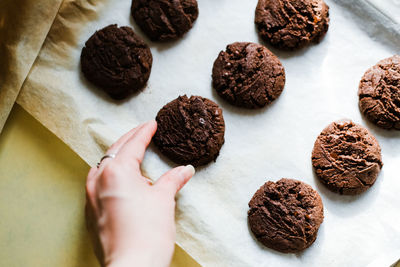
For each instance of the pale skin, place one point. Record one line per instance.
(131, 220)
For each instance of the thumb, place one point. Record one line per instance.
(173, 180)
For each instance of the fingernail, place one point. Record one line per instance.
(188, 170)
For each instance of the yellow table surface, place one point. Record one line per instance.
(42, 199)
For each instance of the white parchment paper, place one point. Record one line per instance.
(268, 144)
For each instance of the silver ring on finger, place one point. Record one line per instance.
(107, 156)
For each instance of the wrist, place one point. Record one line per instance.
(157, 253)
(144, 259)
(127, 262)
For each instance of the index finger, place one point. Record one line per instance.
(133, 150)
(114, 148)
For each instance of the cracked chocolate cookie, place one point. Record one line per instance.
(248, 75)
(116, 60)
(347, 158)
(289, 25)
(190, 130)
(164, 20)
(286, 215)
(379, 93)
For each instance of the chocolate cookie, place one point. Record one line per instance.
(286, 215)
(347, 158)
(190, 130)
(116, 60)
(248, 75)
(164, 20)
(292, 24)
(379, 93)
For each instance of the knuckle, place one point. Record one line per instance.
(113, 175)
(109, 176)
(110, 170)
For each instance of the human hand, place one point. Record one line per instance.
(130, 220)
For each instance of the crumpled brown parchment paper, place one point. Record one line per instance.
(24, 25)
